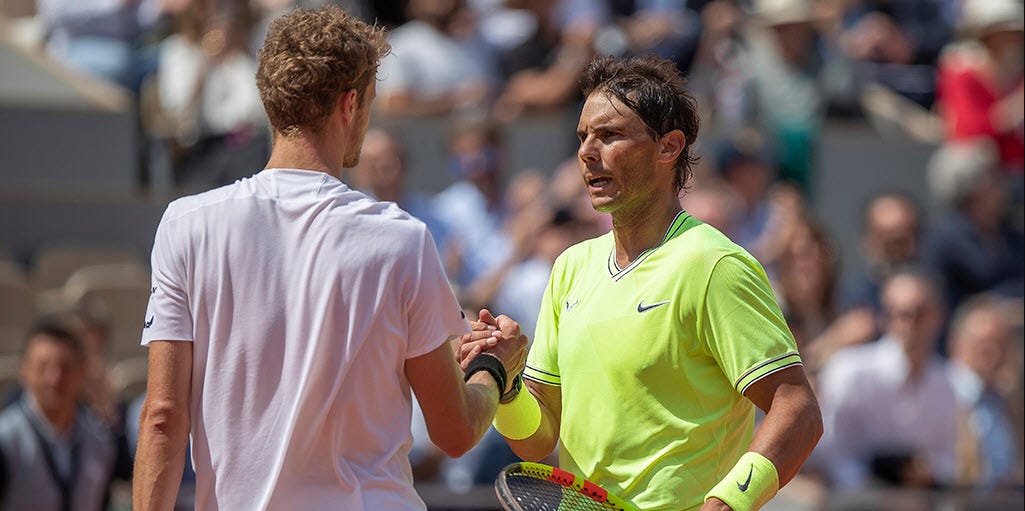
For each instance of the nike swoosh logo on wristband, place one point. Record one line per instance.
(743, 487)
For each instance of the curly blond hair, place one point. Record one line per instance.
(310, 57)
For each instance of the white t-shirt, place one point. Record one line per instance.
(303, 299)
(871, 405)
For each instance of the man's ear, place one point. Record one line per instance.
(348, 103)
(673, 144)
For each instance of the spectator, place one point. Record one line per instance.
(101, 37)
(889, 240)
(54, 454)
(747, 164)
(714, 203)
(541, 73)
(92, 328)
(209, 109)
(807, 282)
(436, 66)
(783, 68)
(787, 211)
(382, 173)
(765, 70)
(668, 28)
(980, 341)
(473, 207)
(523, 284)
(889, 409)
(91, 325)
(514, 286)
(520, 33)
(526, 214)
(971, 245)
(895, 43)
(981, 90)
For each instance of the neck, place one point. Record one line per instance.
(987, 223)
(640, 230)
(389, 195)
(917, 362)
(307, 151)
(61, 419)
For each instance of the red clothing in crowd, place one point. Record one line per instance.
(967, 94)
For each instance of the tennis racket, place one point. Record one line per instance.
(527, 486)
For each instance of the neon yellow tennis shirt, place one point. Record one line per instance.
(652, 360)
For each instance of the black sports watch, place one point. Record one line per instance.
(517, 383)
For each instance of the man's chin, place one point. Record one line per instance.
(602, 204)
(48, 405)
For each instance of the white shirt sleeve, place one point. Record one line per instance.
(434, 313)
(168, 317)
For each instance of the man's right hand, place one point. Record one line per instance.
(500, 337)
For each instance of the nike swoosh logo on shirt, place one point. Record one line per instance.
(743, 487)
(641, 307)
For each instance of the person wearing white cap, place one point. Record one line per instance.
(773, 69)
(981, 91)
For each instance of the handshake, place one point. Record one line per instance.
(494, 345)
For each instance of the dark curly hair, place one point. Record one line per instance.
(652, 87)
(310, 57)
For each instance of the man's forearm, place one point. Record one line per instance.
(160, 458)
(789, 433)
(480, 393)
(543, 440)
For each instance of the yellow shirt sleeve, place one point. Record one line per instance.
(742, 325)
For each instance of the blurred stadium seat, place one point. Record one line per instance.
(117, 292)
(128, 377)
(17, 8)
(17, 306)
(8, 374)
(54, 264)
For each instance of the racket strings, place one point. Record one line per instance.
(534, 494)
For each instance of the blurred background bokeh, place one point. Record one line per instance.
(868, 152)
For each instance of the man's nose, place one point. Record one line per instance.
(587, 151)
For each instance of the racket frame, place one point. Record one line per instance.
(558, 476)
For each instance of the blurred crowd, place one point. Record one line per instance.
(917, 359)
(934, 68)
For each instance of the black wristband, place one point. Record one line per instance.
(491, 364)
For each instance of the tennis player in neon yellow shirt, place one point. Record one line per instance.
(656, 341)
